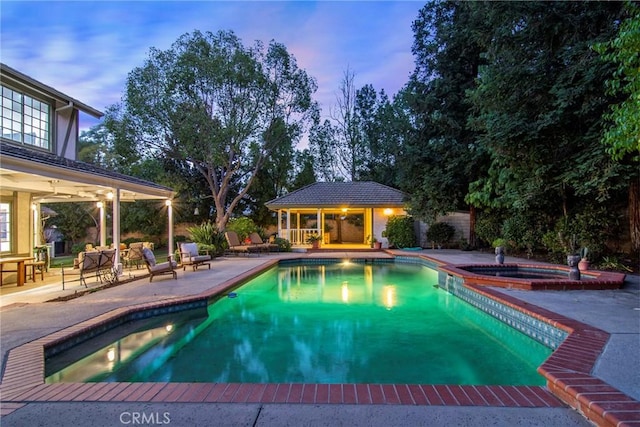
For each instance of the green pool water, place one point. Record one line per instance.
(337, 323)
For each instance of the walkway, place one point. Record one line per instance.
(27, 319)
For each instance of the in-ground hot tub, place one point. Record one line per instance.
(533, 276)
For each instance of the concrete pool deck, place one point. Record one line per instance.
(26, 319)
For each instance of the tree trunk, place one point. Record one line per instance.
(634, 214)
(472, 226)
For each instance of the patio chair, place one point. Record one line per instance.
(106, 266)
(257, 241)
(133, 255)
(236, 247)
(88, 262)
(155, 269)
(190, 255)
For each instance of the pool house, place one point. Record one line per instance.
(342, 213)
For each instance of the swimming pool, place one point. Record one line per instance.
(340, 322)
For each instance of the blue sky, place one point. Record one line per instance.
(86, 49)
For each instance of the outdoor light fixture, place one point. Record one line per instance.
(34, 207)
(196, 211)
(388, 211)
(99, 205)
(110, 195)
(167, 203)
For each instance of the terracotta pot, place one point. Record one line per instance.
(583, 265)
(377, 245)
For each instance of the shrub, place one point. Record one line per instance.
(283, 244)
(400, 232)
(440, 233)
(207, 236)
(243, 226)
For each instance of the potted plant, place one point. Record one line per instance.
(499, 245)
(583, 265)
(375, 244)
(314, 240)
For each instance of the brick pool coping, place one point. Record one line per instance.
(567, 372)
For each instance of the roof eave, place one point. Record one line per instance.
(17, 76)
(58, 172)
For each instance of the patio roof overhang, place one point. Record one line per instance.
(53, 180)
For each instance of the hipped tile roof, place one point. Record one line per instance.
(340, 194)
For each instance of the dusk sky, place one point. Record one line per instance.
(86, 49)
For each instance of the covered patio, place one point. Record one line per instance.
(31, 178)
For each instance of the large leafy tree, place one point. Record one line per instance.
(538, 108)
(385, 127)
(442, 156)
(219, 107)
(622, 137)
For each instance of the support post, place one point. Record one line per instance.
(170, 228)
(116, 230)
(103, 224)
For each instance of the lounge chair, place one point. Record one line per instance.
(190, 255)
(236, 247)
(257, 241)
(155, 269)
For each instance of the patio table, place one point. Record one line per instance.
(19, 260)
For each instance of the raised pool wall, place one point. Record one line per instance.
(472, 274)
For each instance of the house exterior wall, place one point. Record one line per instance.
(65, 129)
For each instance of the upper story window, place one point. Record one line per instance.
(25, 119)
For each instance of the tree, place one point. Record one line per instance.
(272, 180)
(442, 156)
(73, 219)
(218, 107)
(337, 143)
(622, 137)
(323, 148)
(385, 128)
(538, 108)
(304, 172)
(351, 152)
